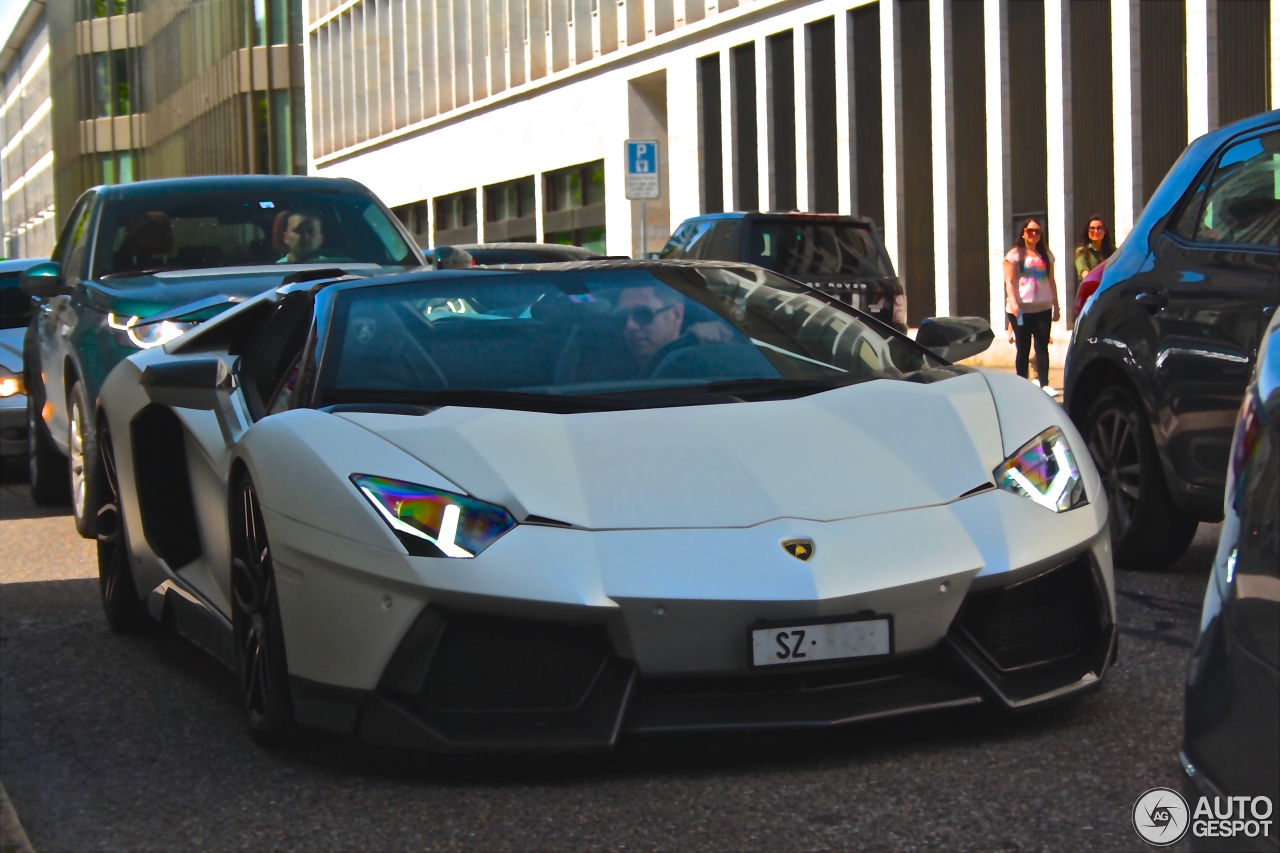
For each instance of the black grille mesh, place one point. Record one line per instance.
(1046, 618)
(489, 664)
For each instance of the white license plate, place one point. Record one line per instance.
(826, 641)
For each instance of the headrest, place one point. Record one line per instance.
(148, 234)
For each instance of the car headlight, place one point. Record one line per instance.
(10, 383)
(433, 523)
(1044, 470)
(129, 333)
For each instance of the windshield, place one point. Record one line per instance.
(601, 339)
(246, 227)
(800, 248)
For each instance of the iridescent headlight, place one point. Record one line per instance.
(433, 523)
(1044, 470)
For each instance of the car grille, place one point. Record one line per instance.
(1046, 618)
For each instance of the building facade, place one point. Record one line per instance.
(166, 88)
(943, 120)
(26, 139)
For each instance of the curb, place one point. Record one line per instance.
(13, 838)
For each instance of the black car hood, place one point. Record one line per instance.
(145, 295)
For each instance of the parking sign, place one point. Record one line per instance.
(642, 169)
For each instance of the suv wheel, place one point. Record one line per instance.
(46, 466)
(83, 444)
(1147, 529)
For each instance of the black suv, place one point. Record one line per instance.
(839, 255)
(1162, 354)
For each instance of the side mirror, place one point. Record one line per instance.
(955, 338)
(453, 258)
(205, 384)
(43, 281)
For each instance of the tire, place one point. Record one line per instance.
(1148, 531)
(82, 442)
(261, 664)
(125, 612)
(47, 468)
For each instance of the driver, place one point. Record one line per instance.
(304, 235)
(654, 317)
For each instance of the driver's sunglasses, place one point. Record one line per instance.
(642, 315)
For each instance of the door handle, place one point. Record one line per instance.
(1152, 300)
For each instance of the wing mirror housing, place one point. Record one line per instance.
(204, 384)
(955, 338)
(453, 258)
(44, 281)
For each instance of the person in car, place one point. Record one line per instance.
(304, 237)
(654, 319)
(1031, 300)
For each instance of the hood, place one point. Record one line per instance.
(11, 349)
(145, 295)
(871, 448)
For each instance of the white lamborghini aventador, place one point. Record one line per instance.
(535, 508)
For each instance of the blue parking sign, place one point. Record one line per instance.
(642, 169)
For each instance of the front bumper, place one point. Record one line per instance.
(13, 426)
(463, 682)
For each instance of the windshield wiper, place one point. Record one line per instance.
(477, 397)
(137, 273)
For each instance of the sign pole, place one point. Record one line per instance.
(642, 182)
(644, 232)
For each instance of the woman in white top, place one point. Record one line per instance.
(1031, 299)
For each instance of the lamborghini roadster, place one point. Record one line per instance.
(540, 508)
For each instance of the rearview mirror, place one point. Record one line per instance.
(955, 338)
(43, 281)
(205, 384)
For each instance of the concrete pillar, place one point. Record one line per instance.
(804, 155)
(539, 206)
(682, 137)
(1057, 76)
(480, 218)
(1202, 67)
(944, 196)
(1275, 54)
(996, 49)
(728, 153)
(1126, 99)
(763, 138)
(848, 187)
(891, 122)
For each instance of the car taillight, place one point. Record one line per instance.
(1088, 286)
(900, 309)
(1248, 433)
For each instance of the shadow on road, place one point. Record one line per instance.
(15, 494)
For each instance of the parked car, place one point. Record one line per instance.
(516, 253)
(15, 314)
(842, 256)
(129, 255)
(1162, 353)
(562, 513)
(1231, 745)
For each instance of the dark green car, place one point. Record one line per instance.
(138, 264)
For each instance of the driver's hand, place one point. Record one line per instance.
(710, 332)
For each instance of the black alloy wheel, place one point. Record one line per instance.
(125, 611)
(46, 466)
(82, 442)
(1148, 531)
(255, 609)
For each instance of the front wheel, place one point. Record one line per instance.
(83, 443)
(1147, 529)
(255, 619)
(125, 611)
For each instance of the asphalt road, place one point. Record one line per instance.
(114, 743)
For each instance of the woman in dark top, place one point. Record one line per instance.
(1095, 246)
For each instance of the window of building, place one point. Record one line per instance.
(107, 8)
(109, 92)
(456, 218)
(573, 201)
(510, 213)
(416, 219)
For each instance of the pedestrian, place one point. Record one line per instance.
(1095, 246)
(1031, 300)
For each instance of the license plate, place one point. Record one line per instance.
(860, 638)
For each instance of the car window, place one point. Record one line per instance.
(1241, 204)
(581, 333)
(721, 243)
(246, 226)
(268, 368)
(802, 248)
(63, 247)
(685, 243)
(79, 234)
(15, 306)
